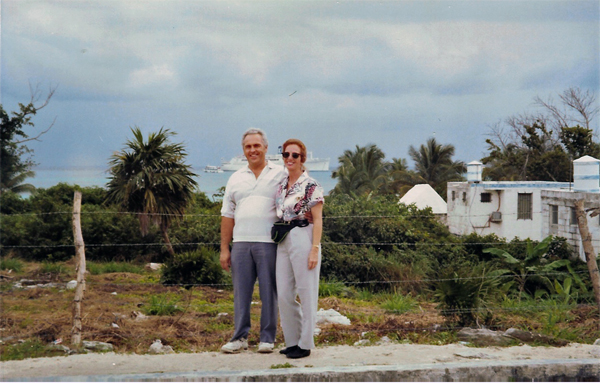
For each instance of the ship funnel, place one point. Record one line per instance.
(474, 170)
(586, 175)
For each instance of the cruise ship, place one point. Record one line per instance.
(312, 164)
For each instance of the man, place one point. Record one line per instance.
(247, 216)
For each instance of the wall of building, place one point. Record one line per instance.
(565, 228)
(469, 214)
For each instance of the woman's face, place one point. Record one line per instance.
(291, 163)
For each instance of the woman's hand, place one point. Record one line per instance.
(313, 258)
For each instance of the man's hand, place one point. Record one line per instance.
(225, 259)
(308, 216)
(226, 236)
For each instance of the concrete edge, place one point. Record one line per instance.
(521, 370)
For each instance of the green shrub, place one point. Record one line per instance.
(200, 267)
(466, 294)
(11, 264)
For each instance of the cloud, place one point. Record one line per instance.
(390, 72)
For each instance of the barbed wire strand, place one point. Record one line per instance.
(407, 216)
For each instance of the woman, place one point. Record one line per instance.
(299, 254)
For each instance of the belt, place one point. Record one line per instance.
(297, 222)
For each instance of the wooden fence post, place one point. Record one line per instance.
(588, 248)
(80, 268)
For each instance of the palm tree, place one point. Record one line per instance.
(14, 182)
(433, 162)
(150, 179)
(401, 178)
(362, 171)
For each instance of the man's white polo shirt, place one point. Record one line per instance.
(250, 201)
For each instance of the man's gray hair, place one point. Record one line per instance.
(256, 131)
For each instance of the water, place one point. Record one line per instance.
(209, 183)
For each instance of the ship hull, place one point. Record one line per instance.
(312, 164)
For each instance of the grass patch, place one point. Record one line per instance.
(334, 288)
(162, 305)
(33, 348)
(399, 304)
(53, 268)
(96, 268)
(284, 365)
(11, 264)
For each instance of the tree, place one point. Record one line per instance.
(434, 164)
(401, 177)
(538, 157)
(15, 163)
(542, 145)
(362, 171)
(151, 179)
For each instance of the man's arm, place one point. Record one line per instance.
(226, 237)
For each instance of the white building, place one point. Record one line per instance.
(423, 196)
(525, 209)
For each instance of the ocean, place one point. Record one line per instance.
(209, 183)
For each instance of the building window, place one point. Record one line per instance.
(464, 197)
(486, 197)
(573, 219)
(525, 206)
(554, 214)
(453, 195)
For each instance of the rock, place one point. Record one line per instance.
(7, 339)
(71, 285)
(153, 266)
(332, 316)
(317, 331)
(362, 342)
(138, 316)
(530, 337)
(483, 337)
(97, 346)
(59, 347)
(597, 342)
(158, 348)
(114, 325)
(222, 315)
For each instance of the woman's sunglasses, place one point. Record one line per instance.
(287, 154)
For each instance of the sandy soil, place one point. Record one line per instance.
(390, 354)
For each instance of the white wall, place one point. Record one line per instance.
(472, 215)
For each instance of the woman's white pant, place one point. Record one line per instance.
(298, 320)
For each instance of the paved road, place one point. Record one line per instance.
(111, 366)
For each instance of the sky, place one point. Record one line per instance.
(335, 74)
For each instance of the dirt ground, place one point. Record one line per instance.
(332, 356)
(112, 301)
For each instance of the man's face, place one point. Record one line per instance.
(254, 149)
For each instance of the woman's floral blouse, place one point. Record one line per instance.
(300, 198)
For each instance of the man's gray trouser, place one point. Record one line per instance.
(250, 260)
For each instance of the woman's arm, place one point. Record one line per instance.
(317, 215)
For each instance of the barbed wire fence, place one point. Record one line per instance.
(407, 327)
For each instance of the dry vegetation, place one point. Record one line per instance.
(113, 301)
